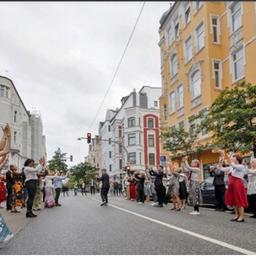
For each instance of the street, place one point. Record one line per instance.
(81, 226)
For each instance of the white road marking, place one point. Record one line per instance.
(191, 233)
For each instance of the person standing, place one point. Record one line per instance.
(159, 187)
(251, 189)
(9, 184)
(83, 189)
(49, 201)
(174, 189)
(30, 182)
(147, 186)
(194, 173)
(116, 190)
(183, 189)
(219, 186)
(104, 186)
(57, 182)
(140, 177)
(92, 187)
(38, 197)
(132, 187)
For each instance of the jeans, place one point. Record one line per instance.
(220, 195)
(31, 188)
(104, 194)
(57, 190)
(140, 192)
(9, 198)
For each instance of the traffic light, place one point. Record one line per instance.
(89, 137)
(71, 158)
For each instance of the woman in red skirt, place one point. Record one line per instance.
(2, 189)
(132, 188)
(236, 194)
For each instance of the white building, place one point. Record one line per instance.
(134, 132)
(14, 112)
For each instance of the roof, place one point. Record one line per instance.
(152, 87)
(167, 13)
(17, 94)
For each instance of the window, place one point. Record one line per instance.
(155, 103)
(170, 36)
(131, 121)
(187, 13)
(4, 91)
(200, 37)
(180, 99)
(110, 154)
(174, 66)
(151, 158)
(132, 158)
(176, 30)
(236, 16)
(172, 102)
(110, 167)
(216, 29)
(119, 132)
(165, 112)
(151, 140)
(192, 128)
(109, 141)
(15, 116)
(196, 84)
(150, 123)
(120, 164)
(188, 49)
(217, 73)
(15, 137)
(238, 64)
(181, 125)
(109, 128)
(131, 139)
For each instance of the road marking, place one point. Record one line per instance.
(191, 233)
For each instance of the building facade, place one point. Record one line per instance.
(94, 156)
(14, 112)
(205, 47)
(133, 132)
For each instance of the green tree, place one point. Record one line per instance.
(232, 119)
(58, 161)
(180, 142)
(83, 172)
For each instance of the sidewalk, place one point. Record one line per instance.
(15, 221)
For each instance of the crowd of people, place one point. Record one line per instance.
(181, 184)
(32, 187)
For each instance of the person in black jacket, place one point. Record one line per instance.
(159, 187)
(140, 178)
(9, 184)
(219, 187)
(105, 186)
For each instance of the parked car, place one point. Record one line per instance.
(208, 193)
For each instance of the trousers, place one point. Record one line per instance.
(31, 188)
(104, 194)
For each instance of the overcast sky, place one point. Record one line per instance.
(61, 57)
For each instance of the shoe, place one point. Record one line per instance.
(240, 220)
(140, 203)
(234, 219)
(158, 205)
(193, 213)
(57, 204)
(253, 216)
(178, 209)
(30, 215)
(15, 211)
(172, 209)
(104, 203)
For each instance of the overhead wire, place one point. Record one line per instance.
(118, 67)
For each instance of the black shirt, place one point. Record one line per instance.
(105, 180)
(159, 177)
(9, 179)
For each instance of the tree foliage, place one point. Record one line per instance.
(232, 119)
(58, 161)
(83, 172)
(180, 143)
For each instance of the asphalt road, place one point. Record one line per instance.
(81, 226)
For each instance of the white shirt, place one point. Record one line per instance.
(31, 172)
(195, 172)
(236, 170)
(48, 181)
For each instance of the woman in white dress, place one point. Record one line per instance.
(49, 201)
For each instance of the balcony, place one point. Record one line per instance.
(180, 112)
(196, 101)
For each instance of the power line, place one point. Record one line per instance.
(118, 66)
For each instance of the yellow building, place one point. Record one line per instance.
(205, 46)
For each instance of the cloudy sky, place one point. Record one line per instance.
(62, 56)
